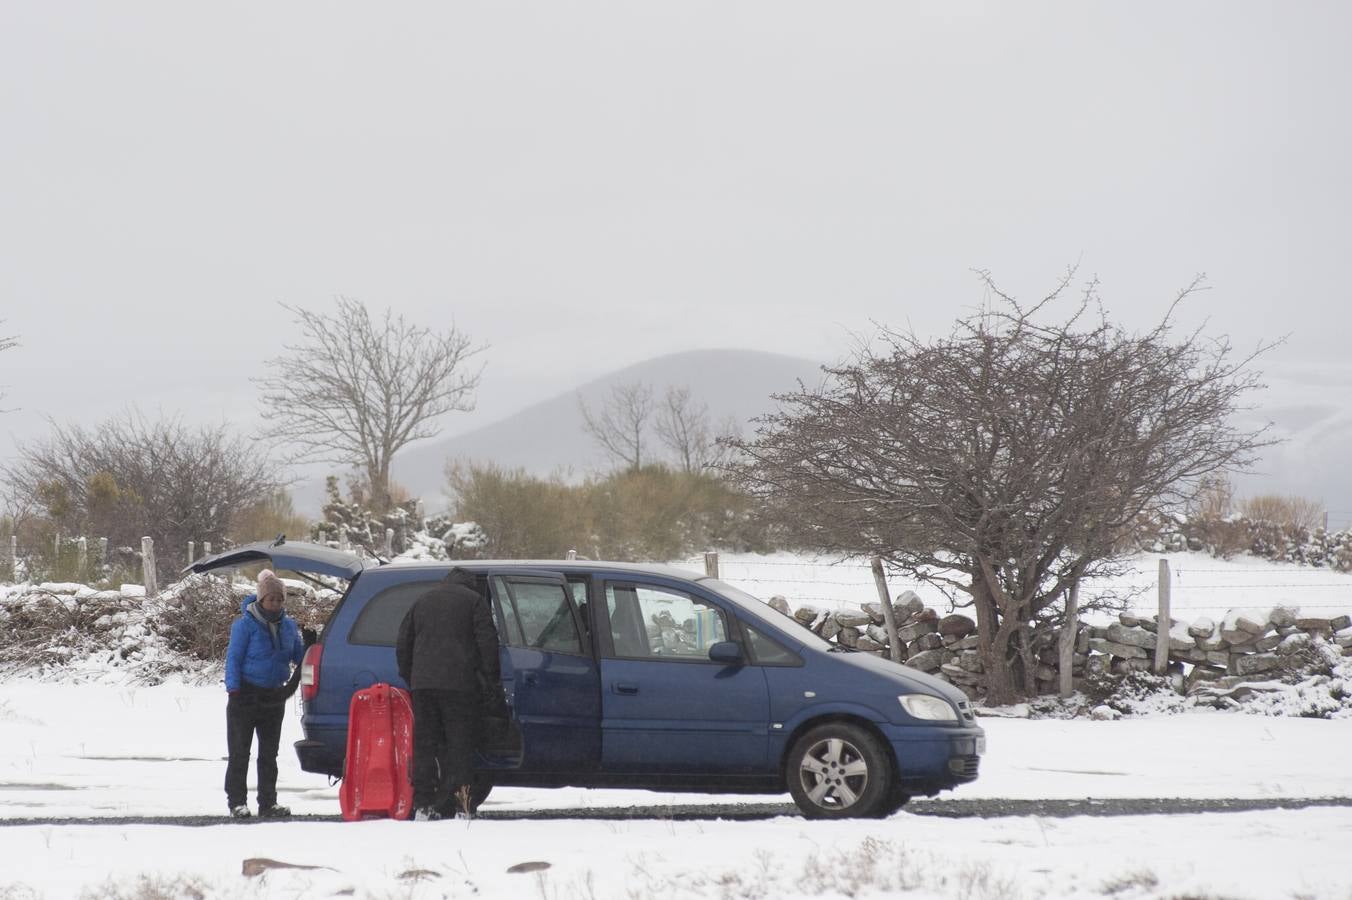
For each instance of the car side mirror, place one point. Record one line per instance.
(727, 652)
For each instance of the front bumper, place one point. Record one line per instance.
(931, 758)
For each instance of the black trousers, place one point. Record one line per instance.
(252, 711)
(446, 727)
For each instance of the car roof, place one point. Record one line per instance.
(565, 566)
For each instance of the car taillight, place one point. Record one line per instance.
(309, 672)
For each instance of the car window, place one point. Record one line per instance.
(378, 623)
(658, 623)
(542, 613)
(766, 651)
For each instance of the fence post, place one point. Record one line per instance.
(103, 551)
(82, 558)
(148, 566)
(1163, 623)
(885, 600)
(14, 555)
(389, 541)
(1070, 630)
(571, 554)
(711, 563)
(206, 548)
(192, 550)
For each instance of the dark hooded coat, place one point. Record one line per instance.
(448, 641)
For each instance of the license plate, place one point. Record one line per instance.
(981, 745)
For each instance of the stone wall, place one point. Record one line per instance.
(1246, 644)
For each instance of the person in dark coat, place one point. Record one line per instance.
(264, 643)
(448, 656)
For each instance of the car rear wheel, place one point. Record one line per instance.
(840, 771)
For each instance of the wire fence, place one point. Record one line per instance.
(1209, 590)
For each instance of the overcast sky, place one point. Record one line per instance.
(585, 185)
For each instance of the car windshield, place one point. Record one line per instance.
(743, 599)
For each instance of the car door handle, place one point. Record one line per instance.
(621, 688)
(528, 678)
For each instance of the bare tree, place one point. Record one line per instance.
(620, 428)
(1005, 461)
(683, 426)
(130, 477)
(356, 390)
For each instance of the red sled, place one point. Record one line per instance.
(376, 780)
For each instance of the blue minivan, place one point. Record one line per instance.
(645, 676)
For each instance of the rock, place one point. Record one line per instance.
(877, 634)
(874, 611)
(848, 637)
(1255, 624)
(1270, 642)
(971, 661)
(1343, 638)
(914, 630)
(956, 625)
(932, 641)
(1253, 663)
(1202, 628)
(959, 674)
(806, 615)
(1201, 675)
(1082, 641)
(1129, 620)
(1218, 658)
(830, 628)
(1104, 714)
(868, 644)
(1044, 673)
(1338, 623)
(1096, 664)
(907, 604)
(853, 617)
(1315, 623)
(1194, 655)
(777, 602)
(1282, 616)
(1096, 631)
(1135, 637)
(1179, 638)
(1294, 643)
(1124, 651)
(1127, 666)
(927, 660)
(1214, 642)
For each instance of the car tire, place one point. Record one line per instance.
(841, 771)
(894, 801)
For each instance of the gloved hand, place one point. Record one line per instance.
(309, 636)
(495, 703)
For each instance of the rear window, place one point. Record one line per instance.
(378, 624)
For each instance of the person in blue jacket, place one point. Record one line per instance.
(264, 643)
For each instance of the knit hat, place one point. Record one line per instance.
(269, 584)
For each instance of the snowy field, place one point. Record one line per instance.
(105, 750)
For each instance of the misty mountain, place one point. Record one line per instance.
(547, 436)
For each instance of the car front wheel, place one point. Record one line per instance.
(839, 771)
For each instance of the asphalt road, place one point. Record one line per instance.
(954, 809)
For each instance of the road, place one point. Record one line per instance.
(954, 809)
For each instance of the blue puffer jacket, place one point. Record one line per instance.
(255, 656)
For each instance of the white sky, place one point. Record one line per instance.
(587, 185)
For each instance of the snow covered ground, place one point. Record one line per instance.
(103, 749)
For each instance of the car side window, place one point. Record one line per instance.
(538, 615)
(378, 623)
(766, 651)
(659, 623)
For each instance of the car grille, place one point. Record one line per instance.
(965, 710)
(965, 767)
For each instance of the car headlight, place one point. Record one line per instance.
(923, 706)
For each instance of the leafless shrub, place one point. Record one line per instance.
(1297, 512)
(1140, 880)
(151, 887)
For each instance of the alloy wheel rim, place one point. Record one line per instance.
(834, 774)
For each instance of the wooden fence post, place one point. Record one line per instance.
(885, 600)
(711, 563)
(82, 558)
(206, 548)
(1163, 624)
(192, 550)
(571, 554)
(14, 553)
(389, 541)
(1070, 630)
(103, 551)
(148, 566)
